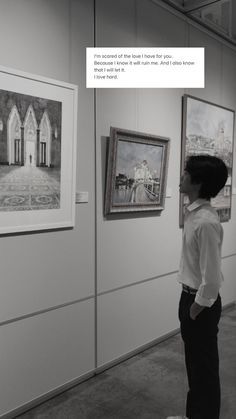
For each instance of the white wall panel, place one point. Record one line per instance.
(213, 65)
(134, 316)
(229, 243)
(47, 269)
(35, 36)
(228, 290)
(41, 353)
(115, 23)
(131, 317)
(133, 248)
(115, 26)
(156, 27)
(82, 36)
(228, 86)
(137, 249)
(41, 271)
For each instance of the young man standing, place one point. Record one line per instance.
(201, 278)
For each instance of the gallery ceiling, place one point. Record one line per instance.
(219, 16)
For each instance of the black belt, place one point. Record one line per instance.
(189, 290)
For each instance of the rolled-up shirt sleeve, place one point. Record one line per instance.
(209, 241)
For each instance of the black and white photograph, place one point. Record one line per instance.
(209, 129)
(37, 152)
(30, 152)
(137, 171)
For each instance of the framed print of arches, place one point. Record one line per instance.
(38, 128)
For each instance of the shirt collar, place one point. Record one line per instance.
(198, 203)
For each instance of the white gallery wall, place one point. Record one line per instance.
(47, 318)
(75, 300)
(138, 256)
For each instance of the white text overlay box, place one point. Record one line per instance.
(145, 68)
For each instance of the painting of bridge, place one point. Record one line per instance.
(137, 171)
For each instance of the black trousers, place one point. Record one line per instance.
(201, 358)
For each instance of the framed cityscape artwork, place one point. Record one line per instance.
(37, 152)
(208, 129)
(137, 172)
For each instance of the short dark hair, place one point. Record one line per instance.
(208, 170)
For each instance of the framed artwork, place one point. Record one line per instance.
(137, 172)
(208, 128)
(38, 122)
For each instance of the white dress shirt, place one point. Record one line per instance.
(200, 264)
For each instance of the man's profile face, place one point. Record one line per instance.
(186, 186)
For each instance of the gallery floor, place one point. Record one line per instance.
(151, 385)
(29, 188)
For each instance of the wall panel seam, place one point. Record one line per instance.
(143, 281)
(96, 205)
(229, 256)
(44, 311)
(90, 297)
